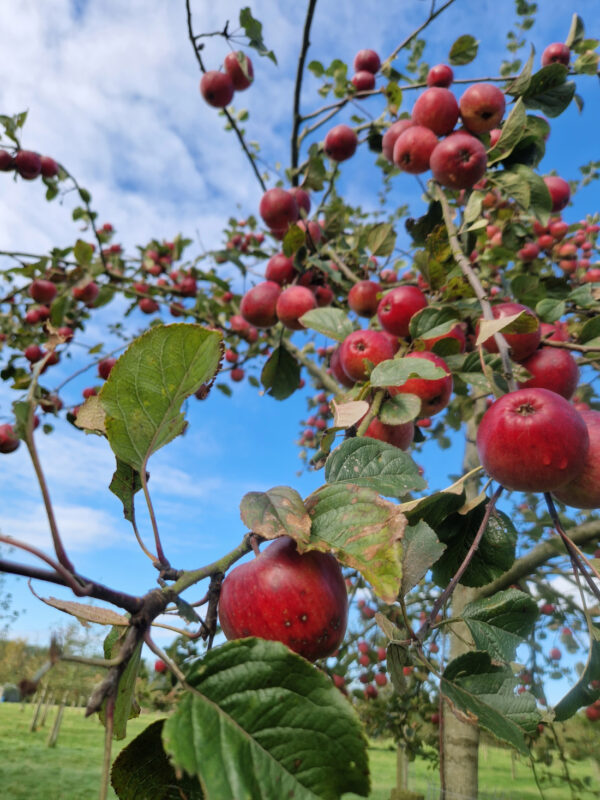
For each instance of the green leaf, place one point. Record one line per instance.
(419, 229)
(331, 322)
(142, 770)
(540, 200)
(83, 252)
(396, 371)
(583, 297)
(186, 611)
(399, 409)
(549, 310)
(499, 624)
(126, 706)
(549, 91)
(495, 555)
(582, 694)
(394, 95)
(363, 531)
(125, 483)
(463, 51)
(436, 507)
(397, 659)
(377, 465)
(576, 31)
(513, 186)
(381, 239)
(422, 549)
(432, 321)
(293, 240)
(253, 30)
(521, 84)
(281, 374)
(58, 310)
(512, 131)
(590, 330)
(315, 172)
(263, 723)
(277, 512)
(474, 686)
(317, 69)
(587, 63)
(145, 389)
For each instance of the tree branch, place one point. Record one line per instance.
(296, 118)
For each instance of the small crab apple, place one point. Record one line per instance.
(239, 68)
(278, 208)
(300, 600)
(340, 143)
(33, 353)
(518, 444)
(42, 291)
(292, 303)
(458, 161)
(482, 107)
(8, 441)
(105, 366)
(522, 345)
(560, 192)
(400, 436)
(302, 198)
(363, 81)
(398, 306)
(367, 60)
(440, 75)
(363, 298)
(380, 679)
(553, 369)
(49, 167)
(413, 149)
(258, 304)
(435, 393)
(7, 162)
(436, 109)
(363, 346)
(28, 164)
(217, 88)
(555, 654)
(363, 648)
(556, 53)
(159, 665)
(392, 134)
(147, 305)
(529, 252)
(237, 374)
(86, 293)
(584, 491)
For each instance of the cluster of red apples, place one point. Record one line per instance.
(28, 164)
(218, 88)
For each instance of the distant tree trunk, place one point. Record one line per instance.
(460, 741)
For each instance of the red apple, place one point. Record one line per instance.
(399, 435)
(361, 346)
(558, 229)
(532, 440)
(335, 366)
(556, 53)
(529, 252)
(239, 68)
(259, 303)
(278, 208)
(367, 60)
(148, 305)
(398, 306)
(363, 81)
(33, 353)
(591, 276)
(552, 369)
(292, 303)
(560, 192)
(363, 298)
(584, 491)
(436, 109)
(28, 164)
(300, 600)
(280, 269)
(340, 143)
(42, 291)
(392, 134)
(7, 162)
(593, 713)
(522, 345)
(217, 88)
(302, 198)
(434, 393)
(458, 161)
(482, 107)
(8, 440)
(86, 292)
(555, 654)
(160, 666)
(440, 75)
(237, 374)
(49, 167)
(413, 149)
(105, 366)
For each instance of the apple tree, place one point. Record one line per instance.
(484, 324)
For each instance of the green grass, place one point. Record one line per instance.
(71, 771)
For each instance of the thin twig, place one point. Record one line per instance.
(64, 572)
(162, 559)
(296, 118)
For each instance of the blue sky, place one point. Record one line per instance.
(112, 92)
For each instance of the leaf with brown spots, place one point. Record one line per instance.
(277, 512)
(363, 531)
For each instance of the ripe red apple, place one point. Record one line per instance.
(237, 374)
(591, 276)
(584, 491)
(555, 654)
(380, 679)
(458, 161)
(529, 252)
(239, 68)
(560, 192)
(363, 298)
(548, 609)
(105, 366)
(413, 149)
(33, 353)
(292, 303)
(435, 393)
(258, 304)
(49, 167)
(323, 295)
(278, 208)
(8, 440)
(363, 81)
(87, 292)
(558, 229)
(42, 291)
(340, 143)
(593, 713)
(532, 440)
(7, 162)
(557, 331)
(482, 107)
(335, 366)
(398, 306)
(399, 435)
(392, 134)
(556, 53)
(217, 88)
(359, 346)
(522, 345)
(367, 60)
(440, 75)
(302, 198)
(159, 665)
(280, 269)
(552, 369)
(148, 305)
(436, 109)
(28, 164)
(300, 600)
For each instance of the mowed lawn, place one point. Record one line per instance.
(29, 770)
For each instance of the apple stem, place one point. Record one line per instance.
(371, 413)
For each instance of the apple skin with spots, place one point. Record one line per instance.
(299, 600)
